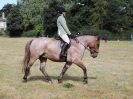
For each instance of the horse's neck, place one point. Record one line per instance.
(83, 40)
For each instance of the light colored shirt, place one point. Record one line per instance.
(62, 26)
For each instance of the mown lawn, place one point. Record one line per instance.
(110, 74)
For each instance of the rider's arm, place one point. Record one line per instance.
(64, 25)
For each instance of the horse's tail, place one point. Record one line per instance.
(26, 56)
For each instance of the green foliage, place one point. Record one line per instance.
(39, 30)
(7, 9)
(50, 16)
(32, 11)
(68, 85)
(101, 33)
(31, 33)
(98, 12)
(49, 19)
(130, 13)
(85, 16)
(3, 33)
(116, 17)
(77, 17)
(126, 35)
(14, 22)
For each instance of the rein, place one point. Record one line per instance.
(82, 44)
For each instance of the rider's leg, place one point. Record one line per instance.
(65, 46)
(65, 38)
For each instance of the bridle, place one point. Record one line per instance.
(82, 44)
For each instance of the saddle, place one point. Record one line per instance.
(61, 41)
(64, 47)
(72, 37)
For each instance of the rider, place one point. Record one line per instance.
(63, 31)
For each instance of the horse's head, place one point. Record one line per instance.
(93, 46)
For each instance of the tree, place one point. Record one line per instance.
(86, 16)
(116, 17)
(7, 9)
(130, 13)
(98, 12)
(41, 12)
(78, 15)
(32, 11)
(14, 22)
(49, 19)
(39, 29)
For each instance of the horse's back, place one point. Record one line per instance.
(45, 45)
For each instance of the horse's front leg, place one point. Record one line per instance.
(43, 69)
(66, 66)
(79, 63)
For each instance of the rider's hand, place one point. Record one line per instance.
(69, 36)
(72, 36)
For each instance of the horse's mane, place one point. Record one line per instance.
(80, 36)
(74, 38)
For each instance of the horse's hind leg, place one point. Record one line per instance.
(82, 66)
(43, 69)
(66, 66)
(27, 70)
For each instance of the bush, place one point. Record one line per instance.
(31, 33)
(101, 33)
(14, 22)
(3, 33)
(125, 35)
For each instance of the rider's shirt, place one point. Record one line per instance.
(62, 26)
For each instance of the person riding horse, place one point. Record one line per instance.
(44, 48)
(63, 32)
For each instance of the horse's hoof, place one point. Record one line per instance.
(85, 82)
(50, 82)
(24, 81)
(60, 81)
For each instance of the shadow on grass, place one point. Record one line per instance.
(66, 77)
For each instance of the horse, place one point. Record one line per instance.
(44, 48)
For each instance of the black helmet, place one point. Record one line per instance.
(61, 9)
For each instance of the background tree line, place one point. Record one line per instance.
(112, 18)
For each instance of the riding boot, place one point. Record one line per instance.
(64, 50)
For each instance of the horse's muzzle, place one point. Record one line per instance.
(94, 55)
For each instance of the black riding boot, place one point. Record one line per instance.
(64, 50)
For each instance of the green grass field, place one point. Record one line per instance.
(110, 74)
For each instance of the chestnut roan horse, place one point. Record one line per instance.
(49, 48)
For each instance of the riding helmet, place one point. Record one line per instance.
(61, 10)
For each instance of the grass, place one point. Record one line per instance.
(110, 74)
(68, 85)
